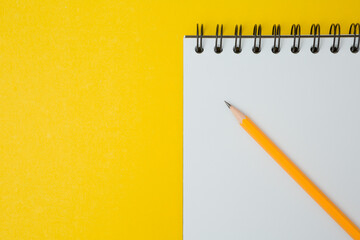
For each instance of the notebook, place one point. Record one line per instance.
(303, 91)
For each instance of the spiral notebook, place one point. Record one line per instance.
(303, 91)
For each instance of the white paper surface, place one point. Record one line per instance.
(308, 104)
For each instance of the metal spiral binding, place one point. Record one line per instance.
(355, 47)
(276, 32)
(237, 46)
(199, 48)
(257, 34)
(334, 32)
(335, 48)
(218, 47)
(296, 32)
(315, 47)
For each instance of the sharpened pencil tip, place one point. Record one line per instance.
(227, 104)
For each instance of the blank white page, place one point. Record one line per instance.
(308, 104)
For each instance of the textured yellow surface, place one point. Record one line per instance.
(91, 109)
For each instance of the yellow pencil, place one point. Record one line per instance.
(296, 173)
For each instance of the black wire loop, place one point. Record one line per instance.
(199, 36)
(218, 47)
(276, 33)
(237, 46)
(316, 30)
(257, 35)
(336, 42)
(296, 32)
(355, 47)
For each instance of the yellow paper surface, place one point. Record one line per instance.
(91, 109)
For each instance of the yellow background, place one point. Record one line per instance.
(91, 109)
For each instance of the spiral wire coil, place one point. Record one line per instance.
(277, 35)
(295, 33)
(316, 43)
(355, 47)
(336, 44)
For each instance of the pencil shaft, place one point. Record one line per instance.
(301, 178)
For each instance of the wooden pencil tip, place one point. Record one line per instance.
(227, 104)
